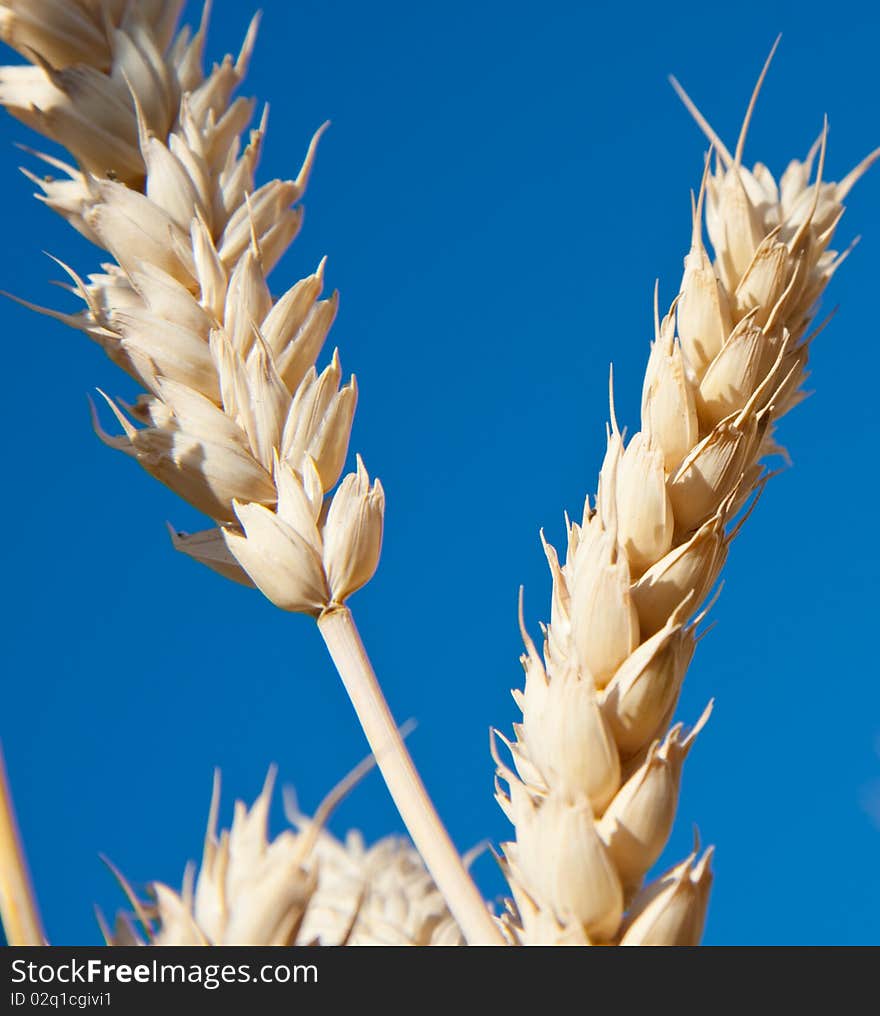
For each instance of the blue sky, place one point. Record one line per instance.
(500, 188)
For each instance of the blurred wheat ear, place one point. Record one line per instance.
(302, 888)
(596, 770)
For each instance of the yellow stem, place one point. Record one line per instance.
(18, 907)
(404, 783)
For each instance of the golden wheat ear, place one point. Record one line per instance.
(236, 417)
(304, 887)
(593, 786)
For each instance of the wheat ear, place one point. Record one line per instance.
(304, 887)
(595, 789)
(235, 418)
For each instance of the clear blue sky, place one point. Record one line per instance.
(501, 186)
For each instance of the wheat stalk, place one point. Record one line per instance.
(594, 792)
(18, 903)
(235, 417)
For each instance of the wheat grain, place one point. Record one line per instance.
(594, 791)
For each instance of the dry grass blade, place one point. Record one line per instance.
(18, 904)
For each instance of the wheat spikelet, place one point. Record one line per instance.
(248, 891)
(397, 900)
(594, 791)
(235, 418)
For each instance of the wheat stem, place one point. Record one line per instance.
(344, 644)
(18, 906)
